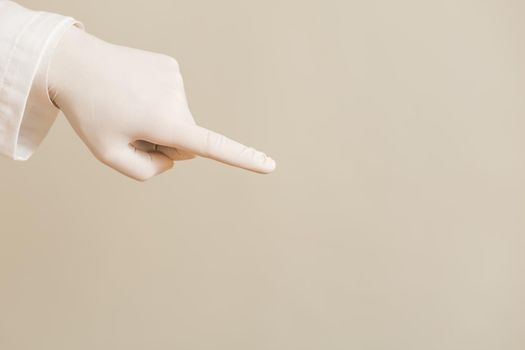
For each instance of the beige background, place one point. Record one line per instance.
(396, 219)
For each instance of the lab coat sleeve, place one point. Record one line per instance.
(27, 42)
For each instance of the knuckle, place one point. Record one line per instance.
(145, 174)
(108, 157)
(171, 63)
(175, 64)
(149, 173)
(142, 177)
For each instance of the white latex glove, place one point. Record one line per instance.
(130, 109)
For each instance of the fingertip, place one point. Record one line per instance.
(268, 165)
(272, 166)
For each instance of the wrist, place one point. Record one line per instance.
(66, 63)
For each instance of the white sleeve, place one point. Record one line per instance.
(27, 41)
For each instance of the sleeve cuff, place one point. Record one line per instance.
(26, 111)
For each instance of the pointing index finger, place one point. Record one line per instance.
(210, 144)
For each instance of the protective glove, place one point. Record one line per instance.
(130, 109)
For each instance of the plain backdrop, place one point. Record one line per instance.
(395, 219)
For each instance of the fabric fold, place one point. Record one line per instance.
(27, 41)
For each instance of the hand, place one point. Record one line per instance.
(130, 109)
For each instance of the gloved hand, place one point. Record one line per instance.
(130, 109)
